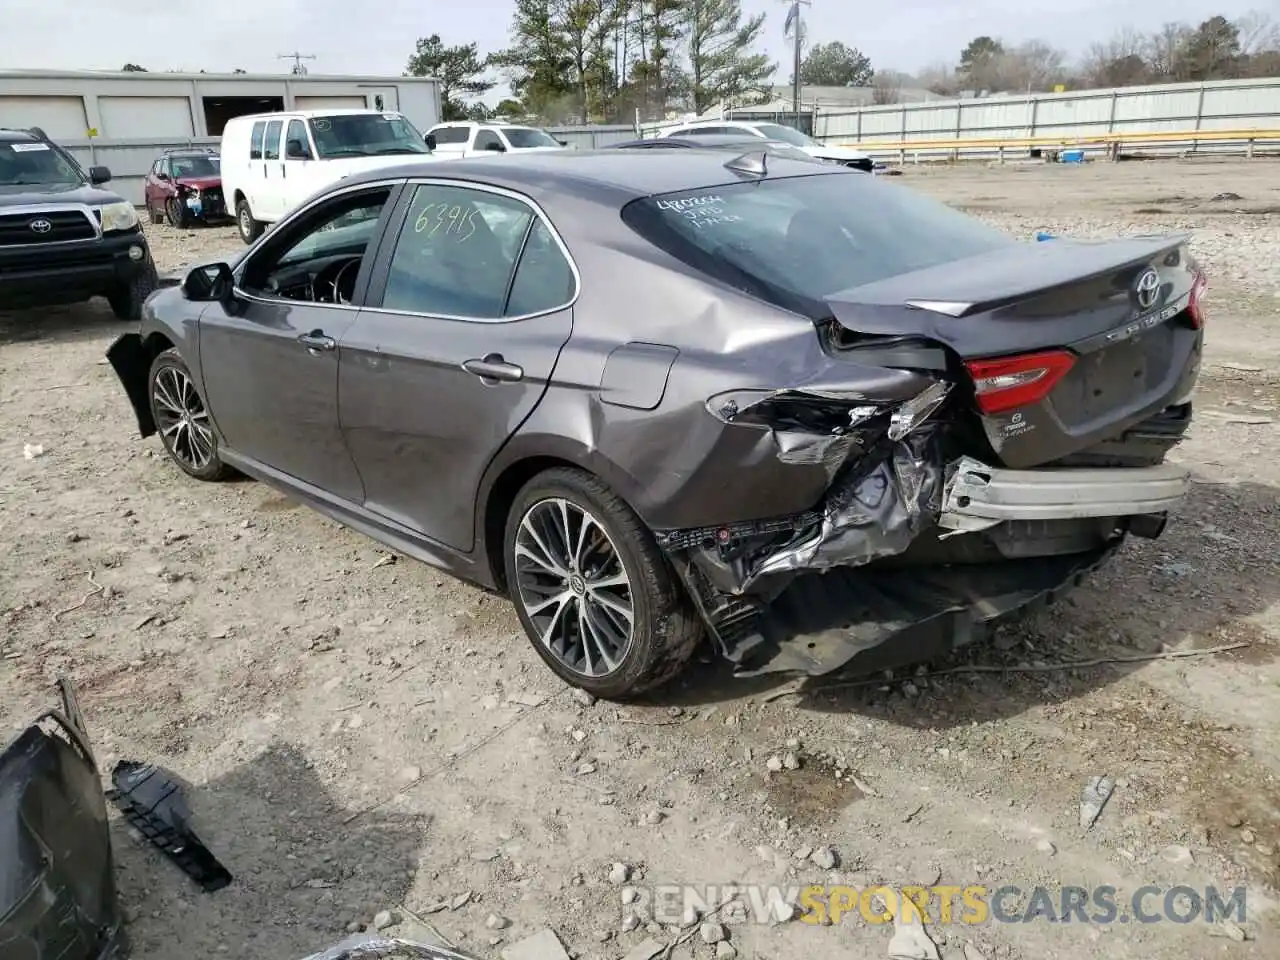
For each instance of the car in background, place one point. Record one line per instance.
(184, 186)
(462, 138)
(781, 133)
(715, 142)
(271, 162)
(64, 238)
(661, 396)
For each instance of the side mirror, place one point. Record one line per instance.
(99, 175)
(430, 139)
(294, 150)
(495, 148)
(162, 176)
(208, 283)
(563, 143)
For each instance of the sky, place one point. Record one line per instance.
(377, 36)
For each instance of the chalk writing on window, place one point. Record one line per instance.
(447, 220)
(700, 212)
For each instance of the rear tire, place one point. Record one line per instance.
(182, 419)
(127, 300)
(250, 229)
(611, 564)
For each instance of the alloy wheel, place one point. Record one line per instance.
(181, 418)
(246, 223)
(574, 588)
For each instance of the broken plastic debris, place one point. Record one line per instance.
(1093, 798)
(363, 946)
(917, 410)
(910, 942)
(32, 450)
(152, 802)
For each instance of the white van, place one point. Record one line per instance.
(271, 162)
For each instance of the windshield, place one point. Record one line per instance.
(365, 135)
(796, 241)
(776, 131)
(32, 162)
(522, 138)
(201, 166)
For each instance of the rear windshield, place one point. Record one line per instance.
(365, 135)
(522, 138)
(795, 241)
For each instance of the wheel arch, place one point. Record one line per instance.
(517, 468)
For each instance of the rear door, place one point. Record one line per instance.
(466, 316)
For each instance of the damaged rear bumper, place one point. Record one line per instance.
(977, 496)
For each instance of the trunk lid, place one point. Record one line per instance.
(1064, 344)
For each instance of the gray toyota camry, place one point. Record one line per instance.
(803, 413)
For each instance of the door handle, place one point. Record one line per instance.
(494, 369)
(316, 341)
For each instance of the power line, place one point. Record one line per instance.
(298, 69)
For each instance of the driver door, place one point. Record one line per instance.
(269, 357)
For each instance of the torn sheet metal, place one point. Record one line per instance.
(875, 515)
(57, 883)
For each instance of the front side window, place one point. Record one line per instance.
(318, 259)
(795, 241)
(31, 162)
(457, 253)
(295, 141)
(271, 144)
(522, 138)
(256, 138)
(488, 140)
(365, 135)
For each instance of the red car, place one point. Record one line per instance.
(185, 186)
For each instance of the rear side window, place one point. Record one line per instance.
(255, 140)
(795, 241)
(452, 134)
(271, 144)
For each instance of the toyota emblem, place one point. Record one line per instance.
(1147, 289)
(40, 225)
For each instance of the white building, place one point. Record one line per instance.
(123, 120)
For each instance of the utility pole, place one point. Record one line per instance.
(795, 28)
(298, 69)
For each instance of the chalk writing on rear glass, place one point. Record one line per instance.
(447, 220)
(700, 212)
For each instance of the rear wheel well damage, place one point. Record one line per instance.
(131, 356)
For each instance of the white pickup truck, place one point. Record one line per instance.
(469, 139)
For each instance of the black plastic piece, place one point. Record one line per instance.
(152, 802)
(57, 878)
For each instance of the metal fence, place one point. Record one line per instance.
(1225, 105)
(592, 137)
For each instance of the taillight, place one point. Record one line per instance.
(1195, 303)
(1007, 383)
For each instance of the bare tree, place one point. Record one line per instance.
(1259, 33)
(940, 79)
(886, 87)
(1166, 49)
(1033, 65)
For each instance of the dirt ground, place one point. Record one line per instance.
(361, 737)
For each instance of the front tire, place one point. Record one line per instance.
(177, 213)
(250, 229)
(127, 300)
(182, 420)
(595, 595)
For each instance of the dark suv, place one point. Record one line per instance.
(63, 239)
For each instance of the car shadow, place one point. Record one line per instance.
(1213, 567)
(67, 324)
(298, 870)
